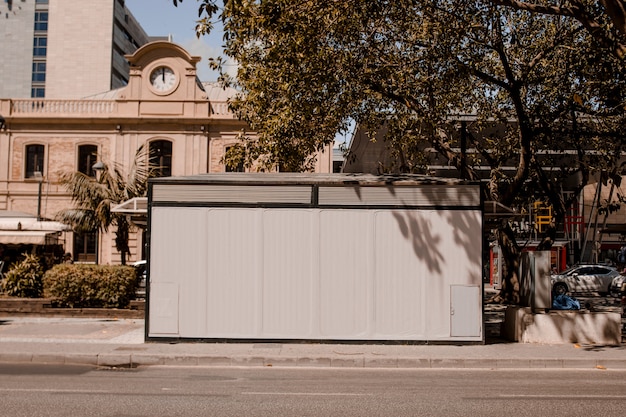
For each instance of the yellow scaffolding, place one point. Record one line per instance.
(543, 215)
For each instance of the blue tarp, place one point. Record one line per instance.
(565, 302)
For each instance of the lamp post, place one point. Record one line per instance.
(39, 177)
(98, 167)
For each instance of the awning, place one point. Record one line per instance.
(33, 224)
(136, 208)
(28, 237)
(136, 205)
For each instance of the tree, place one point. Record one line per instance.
(93, 199)
(604, 20)
(308, 67)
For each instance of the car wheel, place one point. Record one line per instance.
(559, 288)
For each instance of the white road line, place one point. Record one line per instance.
(334, 394)
(52, 390)
(561, 397)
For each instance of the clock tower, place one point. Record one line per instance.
(163, 71)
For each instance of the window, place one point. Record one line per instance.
(161, 158)
(87, 156)
(41, 21)
(38, 92)
(85, 247)
(34, 160)
(39, 71)
(40, 45)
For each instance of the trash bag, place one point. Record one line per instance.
(565, 302)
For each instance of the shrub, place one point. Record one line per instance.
(24, 279)
(76, 285)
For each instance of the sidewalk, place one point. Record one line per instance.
(120, 343)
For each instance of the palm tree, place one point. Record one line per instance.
(93, 199)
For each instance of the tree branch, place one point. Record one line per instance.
(615, 10)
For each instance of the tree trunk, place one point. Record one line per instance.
(510, 258)
(121, 238)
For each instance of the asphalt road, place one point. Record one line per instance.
(31, 390)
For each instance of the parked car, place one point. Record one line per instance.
(585, 278)
(623, 303)
(616, 285)
(140, 266)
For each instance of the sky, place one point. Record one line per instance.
(161, 18)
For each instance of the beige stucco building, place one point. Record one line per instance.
(163, 107)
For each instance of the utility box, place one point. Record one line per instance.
(335, 257)
(535, 285)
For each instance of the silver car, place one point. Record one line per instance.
(584, 279)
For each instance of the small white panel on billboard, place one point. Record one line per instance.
(164, 309)
(465, 312)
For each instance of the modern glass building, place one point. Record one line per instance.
(65, 49)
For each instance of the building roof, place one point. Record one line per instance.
(107, 95)
(215, 92)
(312, 179)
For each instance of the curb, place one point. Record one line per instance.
(134, 360)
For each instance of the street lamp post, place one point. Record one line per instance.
(98, 167)
(39, 177)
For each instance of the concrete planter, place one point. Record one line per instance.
(560, 326)
(43, 307)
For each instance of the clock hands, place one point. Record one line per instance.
(163, 79)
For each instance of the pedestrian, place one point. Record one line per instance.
(67, 258)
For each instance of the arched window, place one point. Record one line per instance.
(87, 156)
(34, 160)
(161, 158)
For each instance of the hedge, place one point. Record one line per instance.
(78, 285)
(24, 278)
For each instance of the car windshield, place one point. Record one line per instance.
(586, 269)
(569, 270)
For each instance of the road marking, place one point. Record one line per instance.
(334, 394)
(561, 397)
(52, 390)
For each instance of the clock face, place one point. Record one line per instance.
(163, 79)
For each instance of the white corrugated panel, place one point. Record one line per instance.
(402, 251)
(435, 195)
(454, 258)
(202, 193)
(346, 273)
(178, 260)
(289, 272)
(234, 274)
